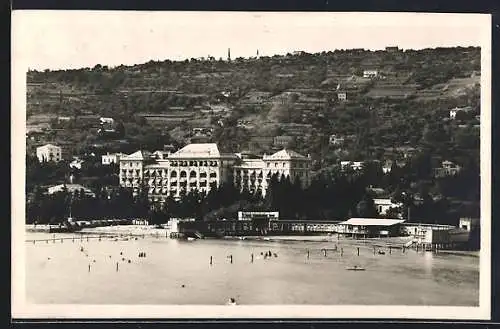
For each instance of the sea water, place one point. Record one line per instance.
(298, 272)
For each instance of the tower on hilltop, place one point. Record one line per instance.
(228, 54)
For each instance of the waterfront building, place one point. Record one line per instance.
(255, 174)
(253, 215)
(469, 224)
(49, 152)
(370, 227)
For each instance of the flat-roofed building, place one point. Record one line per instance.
(371, 227)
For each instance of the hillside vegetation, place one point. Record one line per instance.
(244, 100)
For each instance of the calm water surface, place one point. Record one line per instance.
(58, 273)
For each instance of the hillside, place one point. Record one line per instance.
(248, 102)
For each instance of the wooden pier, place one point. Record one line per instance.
(82, 238)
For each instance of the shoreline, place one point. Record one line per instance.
(152, 231)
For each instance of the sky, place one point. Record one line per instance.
(75, 39)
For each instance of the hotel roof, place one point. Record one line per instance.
(372, 222)
(285, 155)
(197, 150)
(47, 146)
(138, 156)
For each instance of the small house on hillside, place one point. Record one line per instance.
(49, 152)
(383, 205)
(456, 110)
(106, 121)
(371, 73)
(342, 96)
(354, 165)
(448, 168)
(336, 140)
(283, 140)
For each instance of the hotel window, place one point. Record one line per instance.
(200, 163)
(275, 165)
(192, 174)
(173, 174)
(183, 174)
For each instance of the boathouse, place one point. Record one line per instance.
(370, 227)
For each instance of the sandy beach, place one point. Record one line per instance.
(127, 230)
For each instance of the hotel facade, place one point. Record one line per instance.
(201, 167)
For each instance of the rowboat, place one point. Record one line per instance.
(355, 268)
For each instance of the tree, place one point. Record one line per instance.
(366, 207)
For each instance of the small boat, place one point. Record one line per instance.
(231, 301)
(190, 238)
(355, 268)
(380, 252)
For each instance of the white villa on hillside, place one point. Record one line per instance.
(49, 152)
(110, 158)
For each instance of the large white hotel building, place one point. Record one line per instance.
(201, 166)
